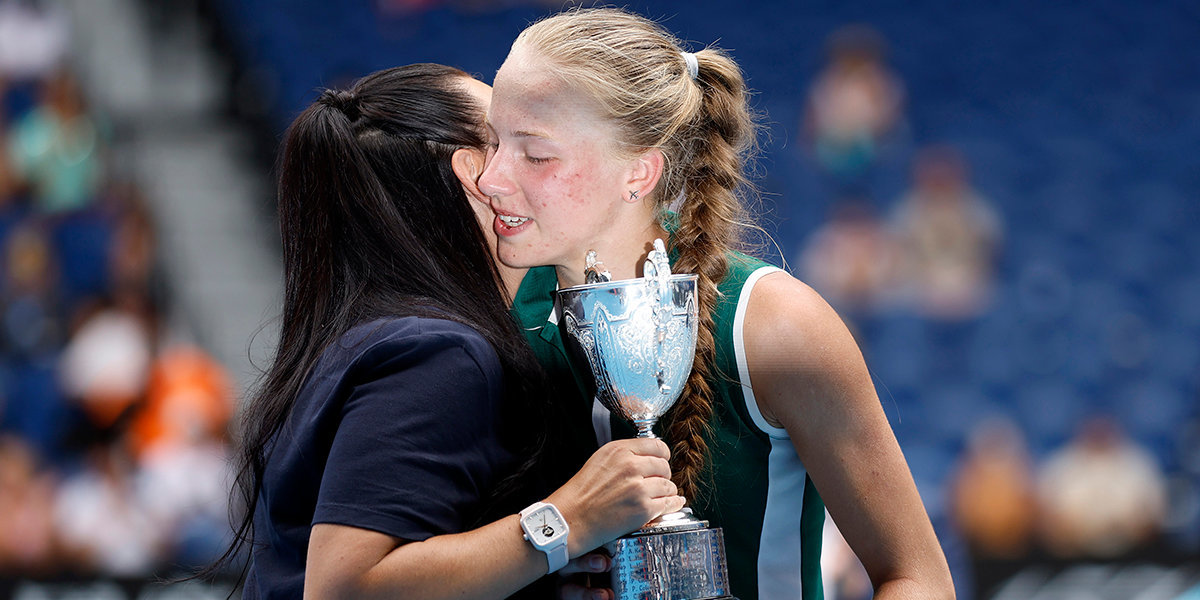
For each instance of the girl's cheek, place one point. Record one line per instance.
(577, 183)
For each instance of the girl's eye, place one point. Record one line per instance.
(535, 160)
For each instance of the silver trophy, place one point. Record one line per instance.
(639, 339)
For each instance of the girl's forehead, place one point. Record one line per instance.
(530, 103)
(528, 82)
(529, 97)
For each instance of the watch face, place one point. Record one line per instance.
(545, 525)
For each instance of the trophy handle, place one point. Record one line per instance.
(657, 273)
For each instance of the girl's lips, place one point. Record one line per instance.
(506, 225)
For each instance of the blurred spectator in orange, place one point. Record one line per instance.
(949, 237)
(189, 400)
(855, 103)
(850, 259)
(992, 492)
(56, 147)
(178, 437)
(28, 545)
(1101, 495)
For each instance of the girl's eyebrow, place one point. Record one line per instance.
(520, 133)
(523, 134)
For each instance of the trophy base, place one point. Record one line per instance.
(680, 559)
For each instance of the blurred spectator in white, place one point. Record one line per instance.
(56, 147)
(855, 103)
(103, 526)
(841, 571)
(851, 258)
(28, 544)
(33, 38)
(949, 236)
(106, 362)
(1101, 495)
(992, 492)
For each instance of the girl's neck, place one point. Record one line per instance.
(622, 255)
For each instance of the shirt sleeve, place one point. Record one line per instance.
(417, 448)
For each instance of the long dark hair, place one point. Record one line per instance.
(375, 223)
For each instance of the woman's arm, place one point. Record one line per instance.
(809, 377)
(623, 486)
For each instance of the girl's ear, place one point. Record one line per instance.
(644, 171)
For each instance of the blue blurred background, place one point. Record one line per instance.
(999, 198)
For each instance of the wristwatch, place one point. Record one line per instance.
(546, 529)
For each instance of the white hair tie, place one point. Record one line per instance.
(693, 65)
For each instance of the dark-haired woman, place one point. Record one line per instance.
(399, 429)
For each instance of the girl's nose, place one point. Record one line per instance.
(494, 181)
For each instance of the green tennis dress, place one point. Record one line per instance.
(761, 495)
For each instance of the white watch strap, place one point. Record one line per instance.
(557, 557)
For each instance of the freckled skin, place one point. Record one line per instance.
(553, 163)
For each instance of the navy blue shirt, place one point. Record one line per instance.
(397, 430)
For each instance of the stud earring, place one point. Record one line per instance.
(633, 195)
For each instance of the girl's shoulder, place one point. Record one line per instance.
(742, 273)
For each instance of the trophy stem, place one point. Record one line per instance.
(645, 428)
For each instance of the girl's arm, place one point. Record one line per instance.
(809, 377)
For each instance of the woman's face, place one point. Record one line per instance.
(555, 183)
(468, 171)
(481, 93)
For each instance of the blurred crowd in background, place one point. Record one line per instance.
(1002, 206)
(112, 431)
(935, 252)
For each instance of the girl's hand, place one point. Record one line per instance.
(577, 583)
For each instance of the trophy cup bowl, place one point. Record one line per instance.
(639, 339)
(614, 325)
